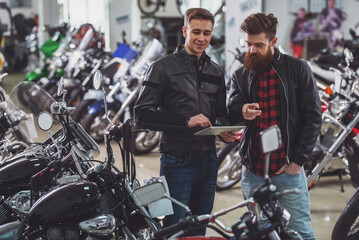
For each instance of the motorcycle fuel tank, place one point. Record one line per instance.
(67, 204)
(16, 175)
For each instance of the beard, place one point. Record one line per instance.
(257, 62)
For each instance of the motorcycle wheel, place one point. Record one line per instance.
(95, 124)
(347, 225)
(353, 163)
(81, 109)
(229, 166)
(22, 95)
(149, 6)
(145, 142)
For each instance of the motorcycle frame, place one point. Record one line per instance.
(338, 142)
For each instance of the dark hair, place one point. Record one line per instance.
(259, 22)
(198, 13)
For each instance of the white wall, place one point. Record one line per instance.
(119, 9)
(125, 16)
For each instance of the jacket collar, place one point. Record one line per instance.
(179, 51)
(277, 57)
(275, 63)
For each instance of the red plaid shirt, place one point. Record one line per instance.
(268, 95)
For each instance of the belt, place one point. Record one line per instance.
(194, 155)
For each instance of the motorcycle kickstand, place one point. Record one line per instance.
(341, 179)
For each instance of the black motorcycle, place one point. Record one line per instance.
(22, 179)
(99, 205)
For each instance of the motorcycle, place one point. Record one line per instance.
(28, 175)
(121, 100)
(100, 205)
(16, 126)
(113, 68)
(229, 165)
(336, 148)
(48, 49)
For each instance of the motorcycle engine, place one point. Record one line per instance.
(103, 225)
(57, 233)
(5, 212)
(20, 202)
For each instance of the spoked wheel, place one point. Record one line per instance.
(182, 6)
(149, 6)
(347, 225)
(230, 166)
(145, 142)
(95, 124)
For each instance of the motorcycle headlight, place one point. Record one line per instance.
(355, 88)
(339, 107)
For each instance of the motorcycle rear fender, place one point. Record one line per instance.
(97, 106)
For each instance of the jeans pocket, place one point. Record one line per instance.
(171, 160)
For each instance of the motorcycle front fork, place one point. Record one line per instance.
(314, 177)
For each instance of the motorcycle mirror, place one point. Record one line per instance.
(149, 193)
(45, 121)
(97, 80)
(270, 141)
(61, 87)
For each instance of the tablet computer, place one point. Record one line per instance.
(216, 130)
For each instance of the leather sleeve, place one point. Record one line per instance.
(236, 100)
(221, 118)
(147, 108)
(309, 114)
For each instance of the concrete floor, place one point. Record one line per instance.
(327, 201)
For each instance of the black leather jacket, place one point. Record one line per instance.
(174, 90)
(299, 102)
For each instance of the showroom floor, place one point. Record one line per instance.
(327, 201)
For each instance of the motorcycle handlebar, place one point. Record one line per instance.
(116, 131)
(181, 225)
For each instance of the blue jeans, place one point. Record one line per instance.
(296, 204)
(190, 181)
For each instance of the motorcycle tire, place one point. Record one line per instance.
(148, 7)
(347, 225)
(95, 124)
(145, 142)
(81, 110)
(229, 166)
(353, 164)
(22, 95)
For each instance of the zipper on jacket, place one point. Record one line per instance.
(198, 86)
(286, 98)
(250, 84)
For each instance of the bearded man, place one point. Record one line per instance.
(274, 88)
